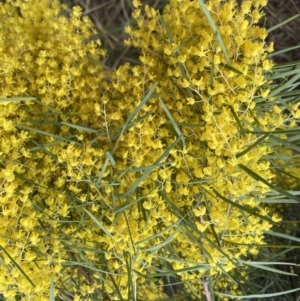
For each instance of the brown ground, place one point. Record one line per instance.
(288, 35)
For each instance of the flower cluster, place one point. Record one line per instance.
(49, 56)
(123, 170)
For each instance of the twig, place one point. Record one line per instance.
(207, 292)
(88, 279)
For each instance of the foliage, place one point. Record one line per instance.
(145, 182)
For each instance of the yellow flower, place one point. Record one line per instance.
(136, 3)
(183, 82)
(182, 177)
(116, 115)
(147, 205)
(276, 218)
(199, 212)
(66, 175)
(201, 226)
(8, 173)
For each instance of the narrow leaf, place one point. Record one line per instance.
(149, 170)
(46, 134)
(102, 172)
(97, 222)
(80, 127)
(286, 236)
(262, 267)
(215, 29)
(259, 178)
(259, 141)
(18, 267)
(111, 159)
(173, 122)
(134, 113)
(231, 68)
(16, 99)
(282, 23)
(259, 295)
(165, 242)
(243, 208)
(52, 294)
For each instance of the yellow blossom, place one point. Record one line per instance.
(74, 172)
